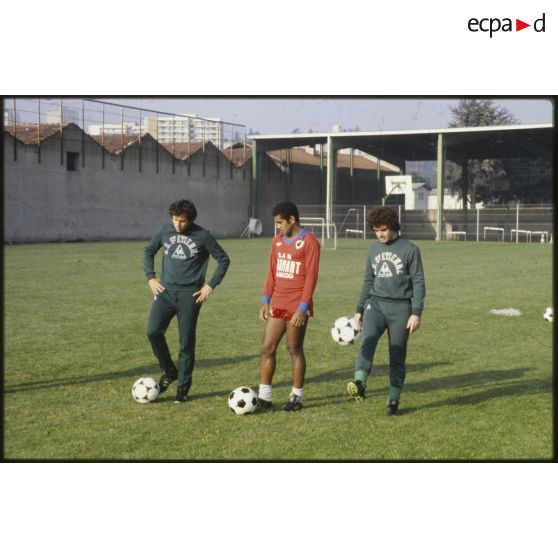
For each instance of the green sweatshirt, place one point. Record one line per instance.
(185, 257)
(394, 272)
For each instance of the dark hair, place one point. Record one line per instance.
(286, 209)
(383, 216)
(185, 208)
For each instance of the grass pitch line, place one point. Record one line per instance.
(506, 312)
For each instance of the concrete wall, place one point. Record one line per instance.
(46, 202)
(302, 185)
(110, 197)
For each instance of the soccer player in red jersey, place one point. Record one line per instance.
(287, 301)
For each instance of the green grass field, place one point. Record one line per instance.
(479, 387)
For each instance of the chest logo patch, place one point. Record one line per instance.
(179, 253)
(385, 271)
(299, 244)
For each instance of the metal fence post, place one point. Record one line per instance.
(478, 219)
(517, 223)
(15, 129)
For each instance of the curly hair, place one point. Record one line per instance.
(383, 216)
(286, 209)
(183, 208)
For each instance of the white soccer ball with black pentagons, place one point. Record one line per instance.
(243, 400)
(345, 330)
(549, 314)
(145, 390)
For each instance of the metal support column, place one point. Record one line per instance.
(156, 143)
(82, 133)
(139, 143)
(121, 138)
(103, 139)
(465, 184)
(15, 129)
(232, 142)
(203, 148)
(256, 171)
(244, 155)
(39, 133)
(330, 182)
(173, 145)
(61, 133)
(440, 180)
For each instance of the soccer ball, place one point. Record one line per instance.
(243, 400)
(345, 330)
(549, 314)
(145, 390)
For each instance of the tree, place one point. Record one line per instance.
(471, 179)
(480, 112)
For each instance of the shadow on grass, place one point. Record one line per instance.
(527, 387)
(347, 373)
(478, 379)
(151, 370)
(457, 381)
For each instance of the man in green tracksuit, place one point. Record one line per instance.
(391, 298)
(181, 290)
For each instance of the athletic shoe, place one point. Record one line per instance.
(264, 403)
(165, 382)
(293, 404)
(181, 395)
(356, 389)
(393, 408)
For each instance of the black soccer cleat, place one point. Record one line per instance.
(181, 395)
(293, 404)
(393, 408)
(165, 382)
(356, 389)
(264, 403)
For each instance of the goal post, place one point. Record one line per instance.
(328, 230)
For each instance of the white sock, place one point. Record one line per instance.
(265, 392)
(299, 392)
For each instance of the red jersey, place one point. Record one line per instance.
(293, 272)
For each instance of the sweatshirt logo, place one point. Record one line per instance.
(299, 244)
(179, 253)
(385, 270)
(185, 247)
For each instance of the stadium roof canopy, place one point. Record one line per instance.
(529, 141)
(487, 142)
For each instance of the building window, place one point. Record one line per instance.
(71, 160)
(421, 196)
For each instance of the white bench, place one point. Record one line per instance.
(499, 229)
(544, 234)
(522, 231)
(354, 231)
(451, 234)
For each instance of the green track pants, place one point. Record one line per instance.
(380, 315)
(179, 303)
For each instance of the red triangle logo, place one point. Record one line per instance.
(519, 25)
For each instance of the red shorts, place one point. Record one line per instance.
(284, 313)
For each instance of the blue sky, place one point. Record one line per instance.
(284, 115)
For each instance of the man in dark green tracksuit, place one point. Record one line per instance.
(181, 290)
(391, 298)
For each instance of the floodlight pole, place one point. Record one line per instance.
(440, 170)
